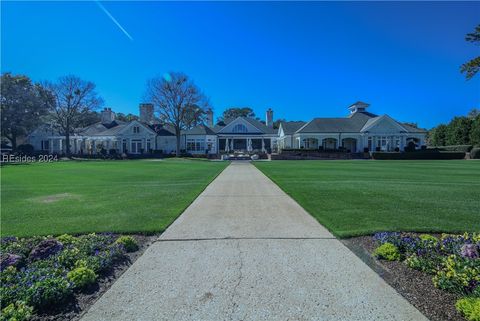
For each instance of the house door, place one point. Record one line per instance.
(136, 146)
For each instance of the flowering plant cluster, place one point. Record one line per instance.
(452, 260)
(40, 272)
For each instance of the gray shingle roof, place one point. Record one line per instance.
(199, 130)
(351, 124)
(290, 127)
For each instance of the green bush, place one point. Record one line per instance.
(81, 277)
(50, 291)
(475, 153)
(428, 237)
(457, 274)
(387, 251)
(69, 256)
(427, 154)
(17, 311)
(128, 242)
(428, 262)
(469, 308)
(67, 239)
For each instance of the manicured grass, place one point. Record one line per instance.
(97, 196)
(360, 197)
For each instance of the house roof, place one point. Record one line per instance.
(264, 129)
(163, 130)
(351, 124)
(199, 130)
(290, 127)
(413, 129)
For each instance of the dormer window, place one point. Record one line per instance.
(136, 129)
(239, 128)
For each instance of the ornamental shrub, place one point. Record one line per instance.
(67, 239)
(428, 262)
(69, 256)
(128, 242)
(49, 291)
(428, 238)
(458, 275)
(387, 251)
(81, 277)
(17, 311)
(475, 153)
(469, 308)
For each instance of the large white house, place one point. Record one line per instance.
(355, 133)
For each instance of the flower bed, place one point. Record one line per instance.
(452, 261)
(42, 275)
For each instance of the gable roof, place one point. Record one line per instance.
(163, 129)
(199, 130)
(290, 127)
(351, 124)
(262, 128)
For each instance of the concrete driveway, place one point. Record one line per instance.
(244, 250)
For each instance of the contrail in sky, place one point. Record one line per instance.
(113, 19)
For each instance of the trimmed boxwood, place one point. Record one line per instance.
(475, 153)
(452, 148)
(428, 154)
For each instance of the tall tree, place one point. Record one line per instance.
(458, 132)
(234, 112)
(178, 101)
(75, 99)
(475, 131)
(471, 67)
(23, 104)
(438, 135)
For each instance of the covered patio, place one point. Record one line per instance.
(230, 144)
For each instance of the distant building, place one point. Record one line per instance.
(358, 131)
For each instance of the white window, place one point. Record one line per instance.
(124, 145)
(370, 143)
(239, 128)
(195, 145)
(149, 147)
(136, 146)
(382, 142)
(136, 129)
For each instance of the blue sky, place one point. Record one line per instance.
(303, 59)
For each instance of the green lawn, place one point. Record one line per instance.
(96, 196)
(360, 197)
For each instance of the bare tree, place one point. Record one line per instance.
(178, 102)
(74, 99)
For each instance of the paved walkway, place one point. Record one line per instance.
(244, 250)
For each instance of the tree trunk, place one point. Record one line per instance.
(67, 139)
(13, 141)
(177, 133)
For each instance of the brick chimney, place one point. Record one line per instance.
(269, 118)
(146, 113)
(108, 116)
(209, 118)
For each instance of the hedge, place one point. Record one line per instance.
(452, 148)
(475, 153)
(418, 155)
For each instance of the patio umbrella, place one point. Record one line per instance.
(231, 144)
(249, 144)
(226, 145)
(263, 146)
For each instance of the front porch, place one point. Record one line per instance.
(245, 145)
